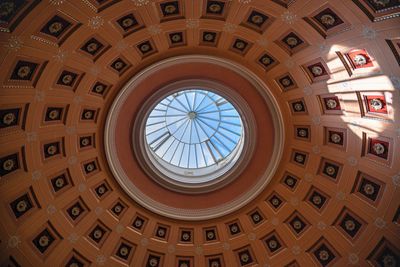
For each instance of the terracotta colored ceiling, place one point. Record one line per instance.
(333, 66)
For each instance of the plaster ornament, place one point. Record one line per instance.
(140, 3)
(153, 30)
(298, 107)
(72, 160)
(316, 120)
(199, 250)
(380, 223)
(39, 95)
(73, 237)
(353, 259)
(321, 225)
(56, 2)
(98, 211)
(101, 259)
(340, 195)
(36, 175)
(252, 236)
(14, 43)
(396, 180)
(296, 250)
(308, 90)
(51, 209)
(352, 161)
(13, 241)
(229, 27)
(308, 177)
(95, 22)
(289, 17)
(226, 246)
(144, 241)
(369, 33)
(192, 23)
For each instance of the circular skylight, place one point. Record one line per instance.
(194, 133)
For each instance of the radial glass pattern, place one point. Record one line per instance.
(193, 129)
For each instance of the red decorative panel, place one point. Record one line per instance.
(377, 148)
(376, 104)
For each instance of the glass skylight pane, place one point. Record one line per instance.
(193, 129)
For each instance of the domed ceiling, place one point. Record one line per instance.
(318, 80)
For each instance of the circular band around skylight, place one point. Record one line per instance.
(194, 135)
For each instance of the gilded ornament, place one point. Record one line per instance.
(59, 182)
(286, 82)
(291, 41)
(350, 225)
(360, 60)
(153, 262)
(88, 114)
(299, 158)
(170, 9)
(298, 107)
(22, 206)
(297, 225)
(257, 19)
(317, 200)
(118, 65)
(272, 244)
(328, 20)
(123, 251)
(23, 71)
(330, 170)
(75, 211)
(9, 118)
(8, 165)
(208, 37)
(89, 167)
(51, 150)
(369, 189)
(92, 47)
(379, 149)
(215, 8)
(44, 241)
(336, 138)
(6, 8)
(67, 79)
(54, 114)
(127, 22)
(323, 255)
(85, 141)
(317, 70)
(97, 234)
(245, 257)
(376, 104)
(55, 27)
(331, 104)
